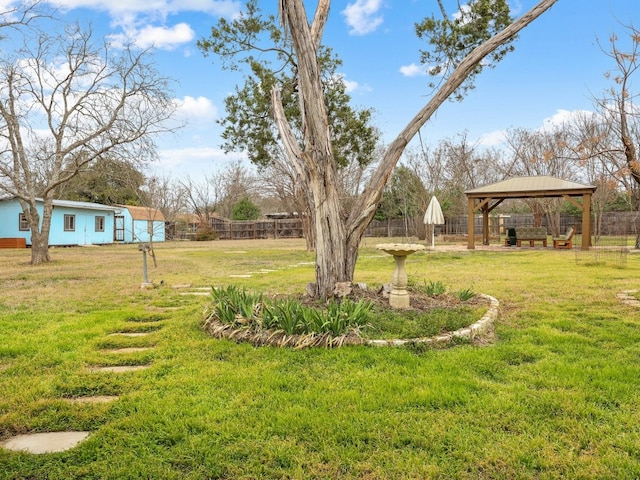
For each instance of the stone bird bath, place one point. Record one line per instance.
(399, 297)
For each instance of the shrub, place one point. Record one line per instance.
(204, 234)
(466, 294)
(245, 209)
(431, 288)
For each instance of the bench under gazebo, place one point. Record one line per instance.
(485, 199)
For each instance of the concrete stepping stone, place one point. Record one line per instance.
(201, 294)
(128, 350)
(128, 334)
(302, 264)
(240, 276)
(120, 368)
(628, 298)
(94, 399)
(44, 442)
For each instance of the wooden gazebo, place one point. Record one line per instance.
(485, 199)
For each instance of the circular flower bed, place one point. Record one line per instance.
(362, 318)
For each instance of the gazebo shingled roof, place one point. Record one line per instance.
(527, 187)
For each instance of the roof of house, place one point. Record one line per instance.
(85, 205)
(538, 186)
(190, 218)
(144, 213)
(74, 204)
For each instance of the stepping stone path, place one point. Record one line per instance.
(128, 334)
(198, 291)
(120, 368)
(128, 350)
(628, 297)
(94, 399)
(54, 442)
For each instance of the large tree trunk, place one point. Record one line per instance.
(337, 237)
(331, 252)
(39, 248)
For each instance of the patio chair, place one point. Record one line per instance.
(565, 241)
(511, 237)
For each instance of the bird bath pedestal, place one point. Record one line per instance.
(399, 297)
(144, 248)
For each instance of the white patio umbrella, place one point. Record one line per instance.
(433, 216)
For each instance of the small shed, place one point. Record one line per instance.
(139, 224)
(72, 223)
(488, 197)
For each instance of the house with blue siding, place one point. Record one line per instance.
(139, 224)
(72, 223)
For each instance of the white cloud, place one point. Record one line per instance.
(163, 37)
(413, 70)
(196, 108)
(561, 117)
(363, 16)
(117, 8)
(144, 22)
(492, 139)
(351, 85)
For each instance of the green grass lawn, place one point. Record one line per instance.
(554, 395)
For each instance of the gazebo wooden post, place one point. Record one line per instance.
(471, 233)
(485, 225)
(586, 221)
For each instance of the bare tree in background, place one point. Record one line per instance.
(542, 152)
(66, 100)
(622, 115)
(278, 179)
(598, 160)
(234, 182)
(165, 194)
(200, 197)
(453, 166)
(23, 14)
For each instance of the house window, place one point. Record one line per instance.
(99, 224)
(23, 224)
(69, 223)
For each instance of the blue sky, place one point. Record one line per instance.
(556, 69)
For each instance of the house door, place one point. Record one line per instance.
(118, 234)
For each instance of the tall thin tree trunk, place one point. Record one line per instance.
(39, 230)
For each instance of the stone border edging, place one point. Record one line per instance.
(277, 338)
(470, 332)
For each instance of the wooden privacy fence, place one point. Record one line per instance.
(245, 230)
